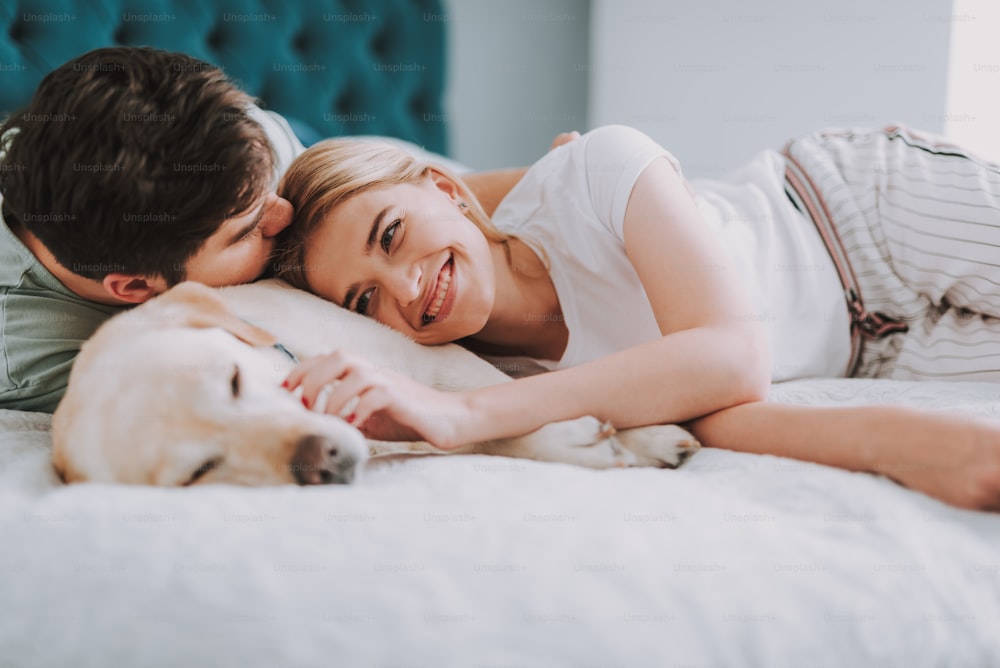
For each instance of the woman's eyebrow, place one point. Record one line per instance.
(369, 245)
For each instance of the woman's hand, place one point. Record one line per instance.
(383, 405)
(962, 470)
(954, 458)
(564, 138)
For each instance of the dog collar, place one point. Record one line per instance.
(280, 347)
(288, 353)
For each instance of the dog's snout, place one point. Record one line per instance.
(318, 461)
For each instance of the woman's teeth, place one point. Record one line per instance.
(435, 307)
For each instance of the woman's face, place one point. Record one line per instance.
(407, 256)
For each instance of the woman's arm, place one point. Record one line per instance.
(713, 354)
(954, 458)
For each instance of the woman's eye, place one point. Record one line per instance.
(363, 301)
(388, 235)
(385, 241)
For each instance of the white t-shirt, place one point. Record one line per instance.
(572, 203)
(286, 145)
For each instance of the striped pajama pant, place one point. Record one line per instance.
(919, 221)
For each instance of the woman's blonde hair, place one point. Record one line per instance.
(334, 170)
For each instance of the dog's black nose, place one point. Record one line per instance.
(318, 461)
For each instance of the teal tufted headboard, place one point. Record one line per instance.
(331, 67)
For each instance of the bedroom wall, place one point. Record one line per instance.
(715, 81)
(517, 77)
(973, 100)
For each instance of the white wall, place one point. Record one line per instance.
(972, 115)
(716, 80)
(517, 77)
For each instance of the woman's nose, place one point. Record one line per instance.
(277, 215)
(403, 283)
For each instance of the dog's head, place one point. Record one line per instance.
(180, 391)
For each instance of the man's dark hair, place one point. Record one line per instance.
(127, 159)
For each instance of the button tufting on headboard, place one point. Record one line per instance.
(348, 67)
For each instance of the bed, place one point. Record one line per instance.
(731, 560)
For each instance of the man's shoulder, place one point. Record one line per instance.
(41, 333)
(15, 258)
(42, 328)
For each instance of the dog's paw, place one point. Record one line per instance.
(662, 446)
(606, 451)
(583, 442)
(594, 444)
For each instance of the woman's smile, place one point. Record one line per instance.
(441, 299)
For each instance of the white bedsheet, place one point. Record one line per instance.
(733, 560)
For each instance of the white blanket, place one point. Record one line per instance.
(732, 560)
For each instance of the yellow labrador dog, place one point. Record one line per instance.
(185, 389)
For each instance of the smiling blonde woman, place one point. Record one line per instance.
(649, 301)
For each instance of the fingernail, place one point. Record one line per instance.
(305, 402)
(284, 384)
(351, 418)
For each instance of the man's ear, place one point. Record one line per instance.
(133, 289)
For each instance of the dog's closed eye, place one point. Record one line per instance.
(209, 465)
(234, 381)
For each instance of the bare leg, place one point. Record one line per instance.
(954, 458)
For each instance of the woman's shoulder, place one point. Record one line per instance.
(611, 148)
(576, 164)
(607, 143)
(614, 137)
(580, 184)
(599, 158)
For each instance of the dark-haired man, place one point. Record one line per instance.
(130, 170)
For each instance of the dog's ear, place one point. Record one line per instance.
(191, 304)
